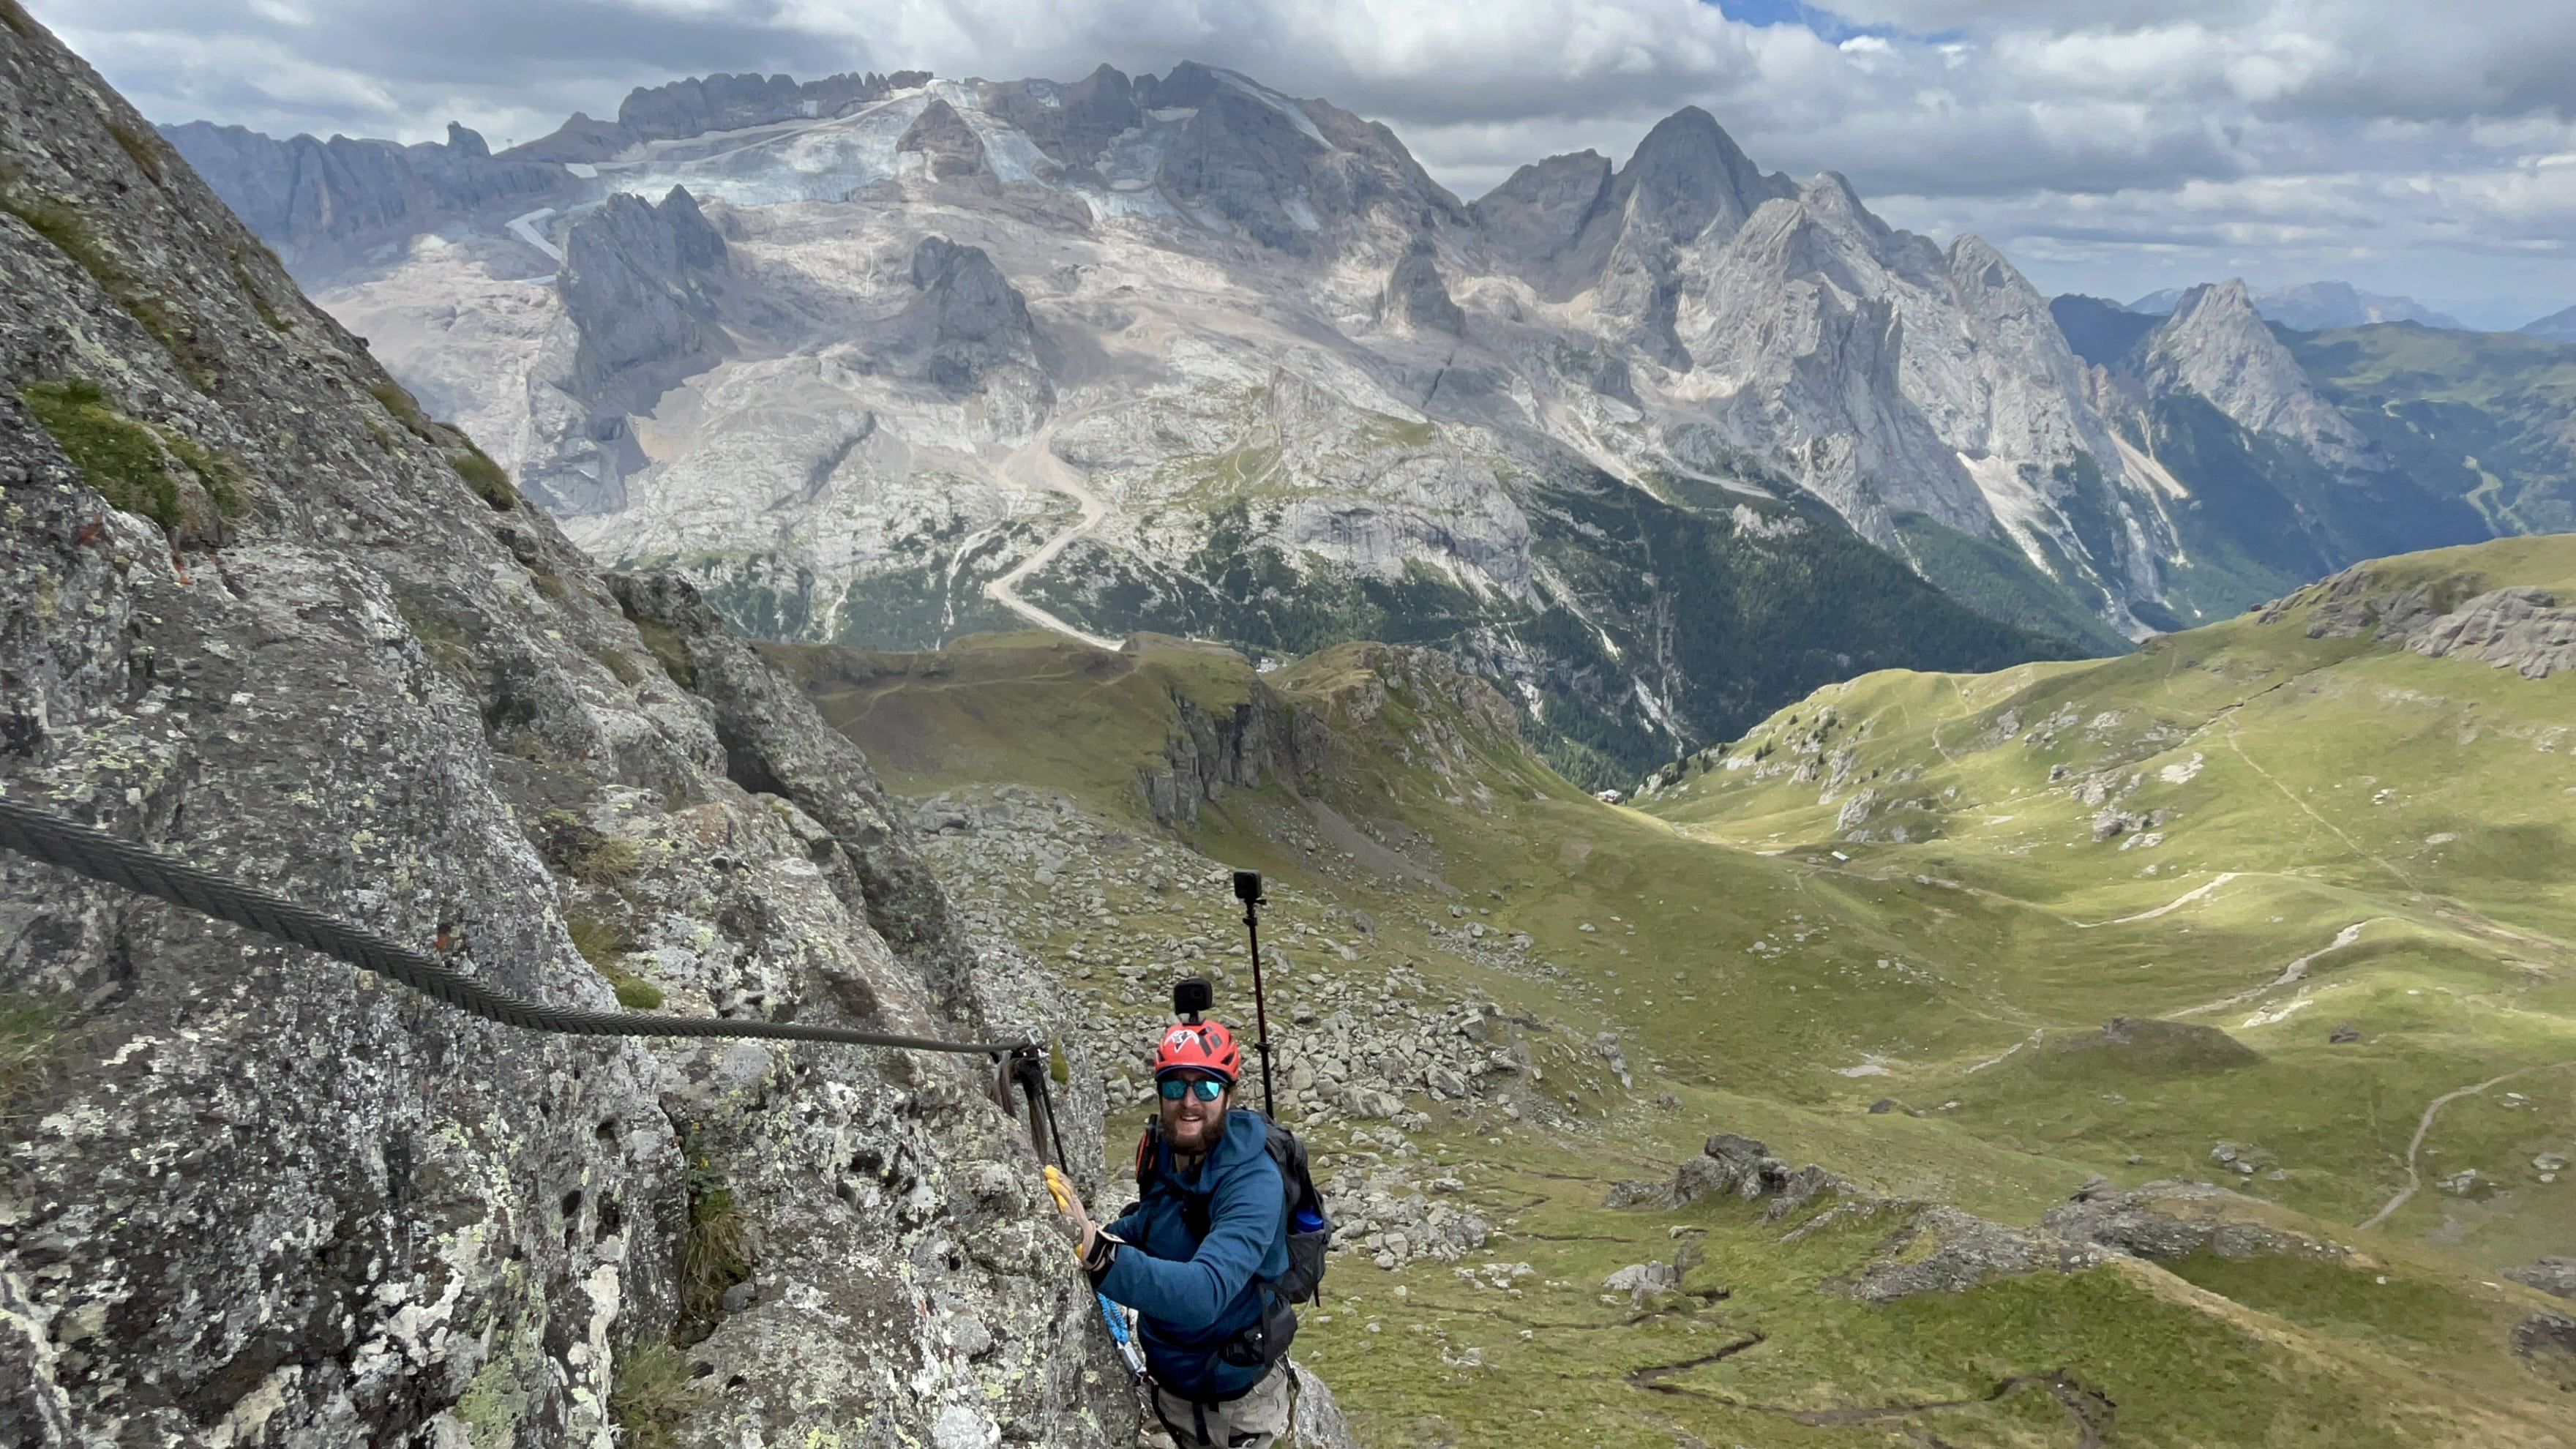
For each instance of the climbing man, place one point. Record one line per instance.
(1200, 1255)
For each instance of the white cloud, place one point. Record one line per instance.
(2093, 139)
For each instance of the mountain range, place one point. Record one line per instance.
(2316, 306)
(1656, 445)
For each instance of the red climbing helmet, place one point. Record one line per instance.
(1204, 1046)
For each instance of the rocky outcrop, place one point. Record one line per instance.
(1939, 1248)
(947, 146)
(2174, 1219)
(323, 204)
(2549, 1275)
(2522, 629)
(2517, 627)
(256, 1198)
(1416, 298)
(968, 322)
(1305, 735)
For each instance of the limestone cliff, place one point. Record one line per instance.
(257, 610)
(2216, 345)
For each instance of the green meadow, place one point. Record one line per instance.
(2288, 913)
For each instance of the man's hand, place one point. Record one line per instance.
(1069, 1203)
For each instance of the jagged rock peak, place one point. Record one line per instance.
(642, 282)
(969, 319)
(1688, 174)
(1070, 123)
(2216, 345)
(321, 203)
(1830, 195)
(1541, 208)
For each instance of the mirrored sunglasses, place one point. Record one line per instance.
(1208, 1089)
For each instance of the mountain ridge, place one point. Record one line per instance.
(2317, 306)
(1270, 357)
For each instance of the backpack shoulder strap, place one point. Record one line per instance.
(1149, 1154)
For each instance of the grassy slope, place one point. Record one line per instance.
(2317, 786)
(1745, 983)
(2489, 417)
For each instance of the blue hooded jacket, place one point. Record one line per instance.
(1191, 1294)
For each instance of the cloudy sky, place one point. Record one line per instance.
(2109, 146)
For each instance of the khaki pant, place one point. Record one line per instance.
(1255, 1421)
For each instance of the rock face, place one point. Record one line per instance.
(642, 282)
(1246, 162)
(1532, 219)
(2216, 346)
(254, 1198)
(1417, 298)
(968, 322)
(948, 147)
(323, 204)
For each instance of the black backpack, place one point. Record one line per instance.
(1265, 1341)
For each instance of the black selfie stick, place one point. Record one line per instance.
(1247, 889)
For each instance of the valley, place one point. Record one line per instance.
(2276, 905)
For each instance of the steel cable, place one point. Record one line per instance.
(102, 857)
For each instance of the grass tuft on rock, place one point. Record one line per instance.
(258, 300)
(450, 649)
(28, 1037)
(488, 479)
(717, 1252)
(405, 410)
(574, 849)
(143, 150)
(117, 456)
(604, 944)
(669, 648)
(653, 1390)
(58, 222)
(619, 663)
